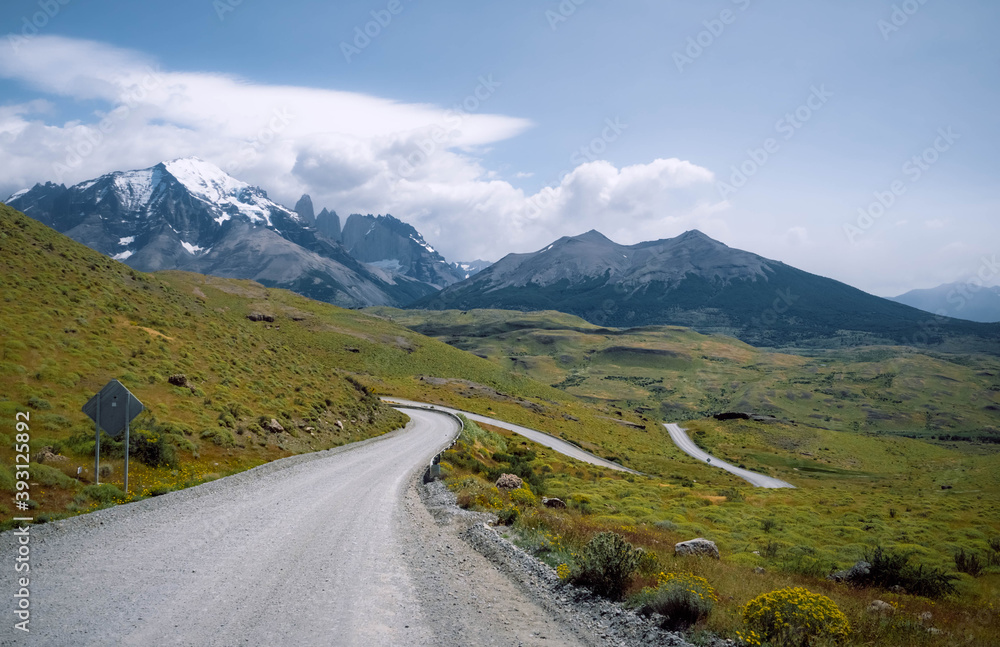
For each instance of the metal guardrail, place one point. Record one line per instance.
(433, 471)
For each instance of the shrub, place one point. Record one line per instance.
(104, 494)
(38, 403)
(969, 563)
(681, 598)
(794, 617)
(153, 450)
(888, 569)
(607, 564)
(732, 494)
(564, 571)
(508, 515)
(523, 497)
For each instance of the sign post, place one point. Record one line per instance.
(103, 409)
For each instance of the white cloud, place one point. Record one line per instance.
(352, 152)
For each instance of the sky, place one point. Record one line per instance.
(855, 139)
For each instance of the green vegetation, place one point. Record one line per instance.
(683, 599)
(606, 565)
(772, 539)
(222, 393)
(794, 617)
(891, 449)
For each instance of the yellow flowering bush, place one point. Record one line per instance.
(489, 500)
(794, 617)
(523, 497)
(563, 571)
(681, 598)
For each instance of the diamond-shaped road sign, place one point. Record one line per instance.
(116, 406)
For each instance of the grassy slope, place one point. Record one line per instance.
(861, 480)
(73, 319)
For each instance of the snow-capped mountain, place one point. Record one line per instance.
(396, 247)
(188, 214)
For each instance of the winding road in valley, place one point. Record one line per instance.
(540, 437)
(687, 446)
(329, 548)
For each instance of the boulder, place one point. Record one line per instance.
(178, 379)
(881, 608)
(553, 503)
(853, 574)
(275, 427)
(698, 547)
(46, 455)
(259, 316)
(509, 482)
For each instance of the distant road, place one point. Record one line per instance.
(540, 437)
(688, 447)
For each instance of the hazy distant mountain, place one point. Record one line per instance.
(188, 214)
(467, 269)
(328, 224)
(398, 248)
(962, 300)
(695, 281)
(304, 207)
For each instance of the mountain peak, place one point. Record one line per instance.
(204, 179)
(592, 236)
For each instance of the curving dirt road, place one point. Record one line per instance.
(332, 548)
(687, 446)
(540, 437)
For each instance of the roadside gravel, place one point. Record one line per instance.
(598, 621)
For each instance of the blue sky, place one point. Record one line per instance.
(626, 117)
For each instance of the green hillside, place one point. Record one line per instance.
(676, 374)
(74, 319)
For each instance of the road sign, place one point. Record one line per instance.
(112, 409)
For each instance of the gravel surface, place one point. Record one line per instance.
(599, 621)
(330, 548)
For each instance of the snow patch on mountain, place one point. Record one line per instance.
(192, 249)
(210, 184)
(17, 195)
(123, 255)
(126, 240)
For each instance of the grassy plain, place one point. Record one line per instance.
(888, 446)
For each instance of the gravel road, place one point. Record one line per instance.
(687, 446)
(540, 437)
(331, 548)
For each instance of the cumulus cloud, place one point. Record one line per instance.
(352, 152)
